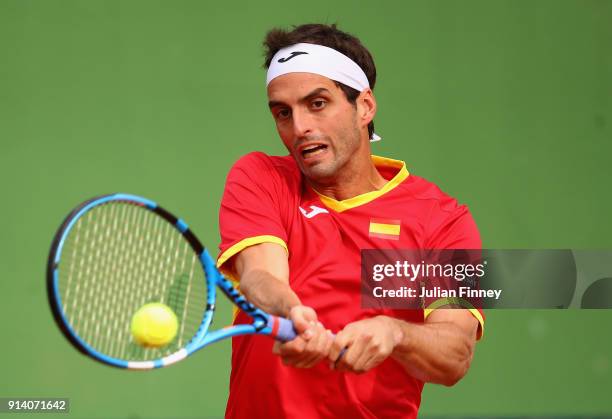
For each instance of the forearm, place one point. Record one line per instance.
(268, 293)
(434, 352)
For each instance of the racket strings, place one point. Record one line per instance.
(118, 257)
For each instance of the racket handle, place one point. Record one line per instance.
(282, 329)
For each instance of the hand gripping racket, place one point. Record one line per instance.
(115, 253)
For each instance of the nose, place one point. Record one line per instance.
(302, 123)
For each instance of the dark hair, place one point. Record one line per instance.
(329, 36)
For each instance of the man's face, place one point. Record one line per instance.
(316, 122)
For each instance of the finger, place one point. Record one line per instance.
(276, 348)
(327, 337)
(303, 318)
(310, 354)
(326, 342)
(318, 348)
(354, 352)
(379, 351)
(308, 334)
(341, 346)
(292, 348)
(292, 354)
(372, 362)
(329, 342)
(299, 322)
(309, 314)
(367, 357)
(341, 342)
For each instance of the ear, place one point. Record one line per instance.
(366, 107)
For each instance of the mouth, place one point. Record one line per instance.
(312, 150)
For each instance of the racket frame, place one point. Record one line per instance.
(263, 323)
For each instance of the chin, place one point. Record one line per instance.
(319, 172)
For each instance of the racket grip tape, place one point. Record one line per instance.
(282, 329)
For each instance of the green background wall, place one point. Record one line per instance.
(505, 104)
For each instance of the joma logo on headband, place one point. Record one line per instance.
(293, 54)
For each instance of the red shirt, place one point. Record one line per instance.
(266, 200)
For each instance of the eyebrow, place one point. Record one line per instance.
(313, 94)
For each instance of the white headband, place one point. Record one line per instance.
(318, 59)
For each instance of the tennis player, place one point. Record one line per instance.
(292, 229)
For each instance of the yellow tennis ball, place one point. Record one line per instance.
(154, 325)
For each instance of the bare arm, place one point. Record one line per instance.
(438, 351)
(263, 270)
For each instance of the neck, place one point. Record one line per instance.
(359, 176)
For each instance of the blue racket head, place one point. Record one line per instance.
(112, 255)
(115, 253)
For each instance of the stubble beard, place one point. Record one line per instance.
(342, 151)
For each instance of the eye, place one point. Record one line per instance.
(318, 104)
(283, 113)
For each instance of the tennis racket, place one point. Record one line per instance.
(115, 253)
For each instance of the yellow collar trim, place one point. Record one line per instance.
(358, 200)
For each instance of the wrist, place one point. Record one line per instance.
(290, 300)
(290, 304)
(395, 328)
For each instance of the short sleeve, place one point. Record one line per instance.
(250, 211)
(451, 226)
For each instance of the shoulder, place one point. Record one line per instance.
(448, 223)
(437, 206)
(257, 171)
(419, 188)
(409, 186)
(257, 163)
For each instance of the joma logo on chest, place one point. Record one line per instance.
(314, 211)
